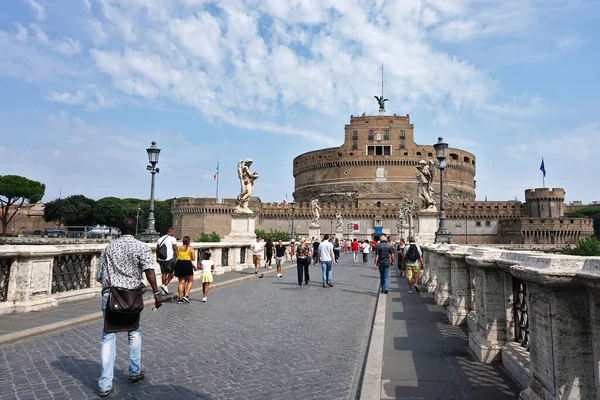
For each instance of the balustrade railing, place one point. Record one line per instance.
(5, 264)
(521, 313)
(71, 272)
(243, 255)
(224, 256)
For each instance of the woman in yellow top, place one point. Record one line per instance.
(184, 270)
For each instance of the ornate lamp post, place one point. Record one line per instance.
(137, 218)
(292, 236)
(150, 234)
(442, 235)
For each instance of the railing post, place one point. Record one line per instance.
(460, 283)
(32, 278)
(442, 290)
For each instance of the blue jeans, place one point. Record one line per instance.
(384, 277)
(108, 351)
(326, 272)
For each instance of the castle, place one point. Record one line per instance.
(367, 179)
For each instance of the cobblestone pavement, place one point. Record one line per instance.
(261, 339)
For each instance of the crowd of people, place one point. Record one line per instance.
(125, 260)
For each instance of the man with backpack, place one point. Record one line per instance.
(413, 257)
(166, 248)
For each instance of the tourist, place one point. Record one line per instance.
(184, 270)
(400, 251)
(413, 258)
(121, 264)
(257, 250)
(327, 258)
(166, 248)
(315, 252)
(364, 248)
(303, 254)
(268, 253)
(355, 250)
(336, 249)
(207, 266)
(384, 257)
(292, 252)
(279, 257)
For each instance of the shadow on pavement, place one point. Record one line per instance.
(426, 357)
(87, 372)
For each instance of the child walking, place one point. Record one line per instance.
(207, 266)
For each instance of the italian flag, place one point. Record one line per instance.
(285, 199)
(216, 172)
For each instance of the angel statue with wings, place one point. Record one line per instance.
(247, 179)
(381, 102)
(425, 174)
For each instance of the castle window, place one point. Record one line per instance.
(453, 156)
(379, 150)
(405, 153)
(466, 159)
(488, 223)
(371, 135)
(418, 153)
(402, 144)
(355, 145)
(402, 135)
(429, 154)
(355, 135)
(370, 150)
(478, 223)
(386, 134)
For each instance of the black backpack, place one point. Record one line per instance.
(161, 252)
(412, 254)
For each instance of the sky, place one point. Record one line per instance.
(87, 85)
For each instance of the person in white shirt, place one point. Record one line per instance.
(166, 249)
(327, 259)
(365, 247)
(257, 250)
(207, 266)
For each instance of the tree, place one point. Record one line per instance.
(54, 211)
(14, 192)
(212, 237)
(77, 210)
(108, 211)
(273, 235)
(588, 247)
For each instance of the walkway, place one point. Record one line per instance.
(427, 358)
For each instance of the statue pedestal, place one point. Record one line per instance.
(242, 228)
(382, 111)
(339, 234)
(428, 225)
(314, 231)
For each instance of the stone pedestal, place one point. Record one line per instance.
(242, 228)
(428, 225)
(460, 284)
(314, 231)
(339, 234)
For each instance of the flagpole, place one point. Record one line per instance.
(217, 196)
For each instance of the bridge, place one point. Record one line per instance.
(488, 324)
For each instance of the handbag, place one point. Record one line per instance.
(127, 301)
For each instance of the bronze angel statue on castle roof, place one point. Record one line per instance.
(381, 102)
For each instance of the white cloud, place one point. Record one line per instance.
(37, 8)
(22, 33)
(569, 42)
(68, 98)
(39, 33)
(68, 46)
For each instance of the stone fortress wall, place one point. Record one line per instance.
(377, 161)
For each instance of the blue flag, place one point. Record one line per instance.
(543, 168)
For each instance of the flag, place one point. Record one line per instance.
(216, 172)
(543, 168)
(285, 199)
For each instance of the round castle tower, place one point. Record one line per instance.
(545, 203)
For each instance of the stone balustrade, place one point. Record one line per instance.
(537, 313)
(34, 277)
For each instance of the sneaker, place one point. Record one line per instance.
(204, 299)
(306, 282)
(179, 301)
(329, 284)
(324, 285)
(279, 275)
(105, 393)
(137, 378)
(410, 291)
(165, 289)
(385, 292)
(417, 289)
(186, 299)
(255, 272)
(270, 267)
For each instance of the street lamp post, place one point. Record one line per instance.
(137, 218)
(150, 234)
(466, 224)
(442, 235)
(293, 208)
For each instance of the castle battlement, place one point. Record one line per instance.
(545, 194)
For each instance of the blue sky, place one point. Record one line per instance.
(88, 84)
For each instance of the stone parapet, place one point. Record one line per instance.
(538, 314)
(35, 277)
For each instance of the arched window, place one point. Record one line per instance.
(466, 159)
(453, 156)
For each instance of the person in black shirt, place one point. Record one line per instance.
(279, 257)
(316, 244)
(384, 257)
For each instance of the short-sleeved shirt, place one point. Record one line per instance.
(257, 248)
(365, 247)
(355, 246)
(325, 249)
(279, 250)
(207, 266)
(303, 250)
(383, 250)
(168, 241)
(316, 246)
(122, 262)
(415, 263)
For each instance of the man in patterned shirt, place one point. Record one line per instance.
(121, 265)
